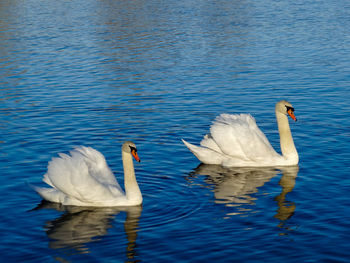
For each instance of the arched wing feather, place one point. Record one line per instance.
(84, 175)
(239, 136)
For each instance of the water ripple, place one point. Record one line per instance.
(97, 73)
(168, 201)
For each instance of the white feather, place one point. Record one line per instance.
(83, 178)
(236, 140)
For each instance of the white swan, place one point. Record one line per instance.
(83, 178)
(236, 140)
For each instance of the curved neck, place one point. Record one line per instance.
(132, 189)
(286, 140)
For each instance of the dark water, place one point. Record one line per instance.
(97, 73)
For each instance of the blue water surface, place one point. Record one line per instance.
(97, 73)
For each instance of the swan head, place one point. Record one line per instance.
(130, 147)
(285, 108)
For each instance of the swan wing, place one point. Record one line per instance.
(97, 165)
(238, 136)
(83, 176)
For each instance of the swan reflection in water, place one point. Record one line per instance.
(237, 187)
(78, 226)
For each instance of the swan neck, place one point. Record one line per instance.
(286, 140)
(131, 187)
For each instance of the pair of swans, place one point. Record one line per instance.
(83, 178)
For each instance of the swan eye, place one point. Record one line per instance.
(133, 149)
(289, 108)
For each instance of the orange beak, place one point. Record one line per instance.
(134, 153)
(291, 114)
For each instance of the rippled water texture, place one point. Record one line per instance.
(97, 73)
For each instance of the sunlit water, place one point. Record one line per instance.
(97, 73)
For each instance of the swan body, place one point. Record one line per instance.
(235, 140)
(83, 178)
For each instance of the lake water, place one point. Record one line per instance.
(97, 73)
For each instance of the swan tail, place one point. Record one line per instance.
(49, 194)
(204, 154)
